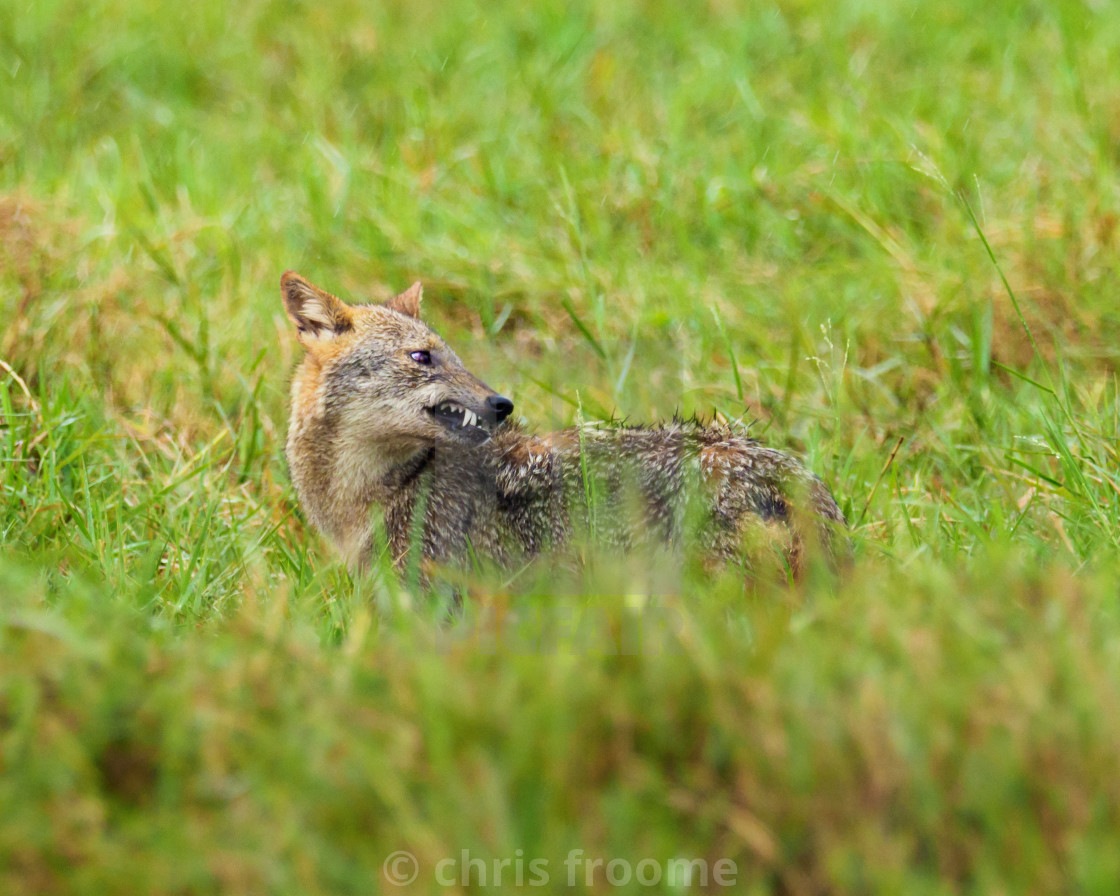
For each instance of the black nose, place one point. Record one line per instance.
(500, 405)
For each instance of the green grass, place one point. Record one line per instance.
(887, 232)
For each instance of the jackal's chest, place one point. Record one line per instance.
(447, 511)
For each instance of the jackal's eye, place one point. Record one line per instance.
(421, 357)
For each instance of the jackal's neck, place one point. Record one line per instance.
(340, 480)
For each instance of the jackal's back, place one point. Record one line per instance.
(676, 484)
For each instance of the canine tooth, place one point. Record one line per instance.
(469, 418)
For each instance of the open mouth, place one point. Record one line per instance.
(462, 421)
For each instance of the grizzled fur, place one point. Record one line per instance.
(385, 415)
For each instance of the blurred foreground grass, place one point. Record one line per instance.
(782, 211)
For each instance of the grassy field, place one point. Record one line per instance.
(886, 232)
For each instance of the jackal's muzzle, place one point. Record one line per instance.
(474, 426)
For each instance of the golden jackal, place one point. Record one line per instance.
(384, 415)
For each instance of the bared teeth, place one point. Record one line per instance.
(466, 417)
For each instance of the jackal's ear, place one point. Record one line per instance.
(316, 314)
(408, 302)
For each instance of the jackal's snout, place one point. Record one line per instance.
(475, 421)
(500, 406)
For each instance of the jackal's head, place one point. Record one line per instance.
(379, 374)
